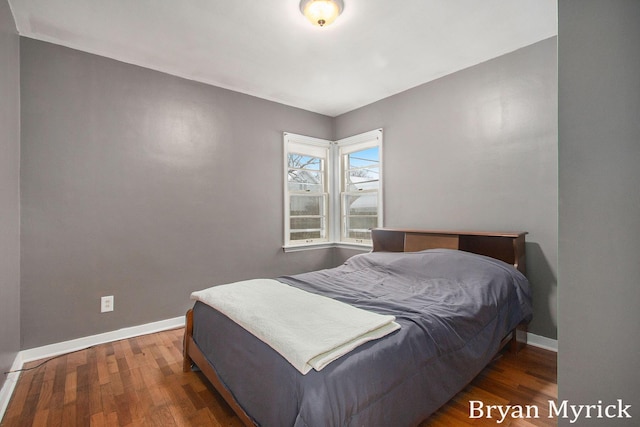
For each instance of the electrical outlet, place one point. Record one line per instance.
(106, 304)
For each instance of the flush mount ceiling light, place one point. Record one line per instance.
(321, 12)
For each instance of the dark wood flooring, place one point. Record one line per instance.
(139, 382)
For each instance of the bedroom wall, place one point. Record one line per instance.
(9, 190)
(599, 158)
(144, 186)
(477, 149)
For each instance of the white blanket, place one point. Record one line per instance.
(308, 330)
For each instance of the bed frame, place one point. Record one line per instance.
(508, 247)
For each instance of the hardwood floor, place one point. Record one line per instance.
(525, 378)
(139, 382)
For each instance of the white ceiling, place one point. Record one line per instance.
(266, 48)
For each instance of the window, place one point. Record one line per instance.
(359, 192)
(307, 190)
(333, 190)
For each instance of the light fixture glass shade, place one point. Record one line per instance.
(321, 12)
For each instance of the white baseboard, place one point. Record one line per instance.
(80, 343)
(56, 349)
(542, 342)
(9, 384)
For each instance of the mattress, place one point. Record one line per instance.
(453, 307)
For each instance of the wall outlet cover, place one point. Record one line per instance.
(106, 304)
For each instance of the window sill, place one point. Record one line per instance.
(327, 245)
(358, 246)
(307, 246)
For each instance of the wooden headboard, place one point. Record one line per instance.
(507, 247)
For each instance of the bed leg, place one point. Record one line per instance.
(519, 338)
(188, 333)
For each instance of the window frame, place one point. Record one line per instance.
(312, 147)
(335, 224)
(345, 147)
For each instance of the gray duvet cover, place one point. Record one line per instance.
(453, 307)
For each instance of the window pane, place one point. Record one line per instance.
(301, 161)
(362, 170)
(361, 222)
(365, 204)
(361, 215)
(306, 205)
(305, 173)
(362, 179)
(307, 217)
(303, 228)
(359, 234)
(303, 180)
(305, 235)
(364, 158)
(305, 223)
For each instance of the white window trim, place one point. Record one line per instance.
(318, 148)
(334, 151)
(346, 146)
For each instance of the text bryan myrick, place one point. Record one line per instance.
(565, 410)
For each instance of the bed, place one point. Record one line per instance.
(458, 297)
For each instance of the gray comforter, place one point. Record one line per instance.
(453, 307)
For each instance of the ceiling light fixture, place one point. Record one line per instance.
(321, 12)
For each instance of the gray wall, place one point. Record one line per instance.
(599, 158)
(477, 149)
(144, 186)
(9, 190)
